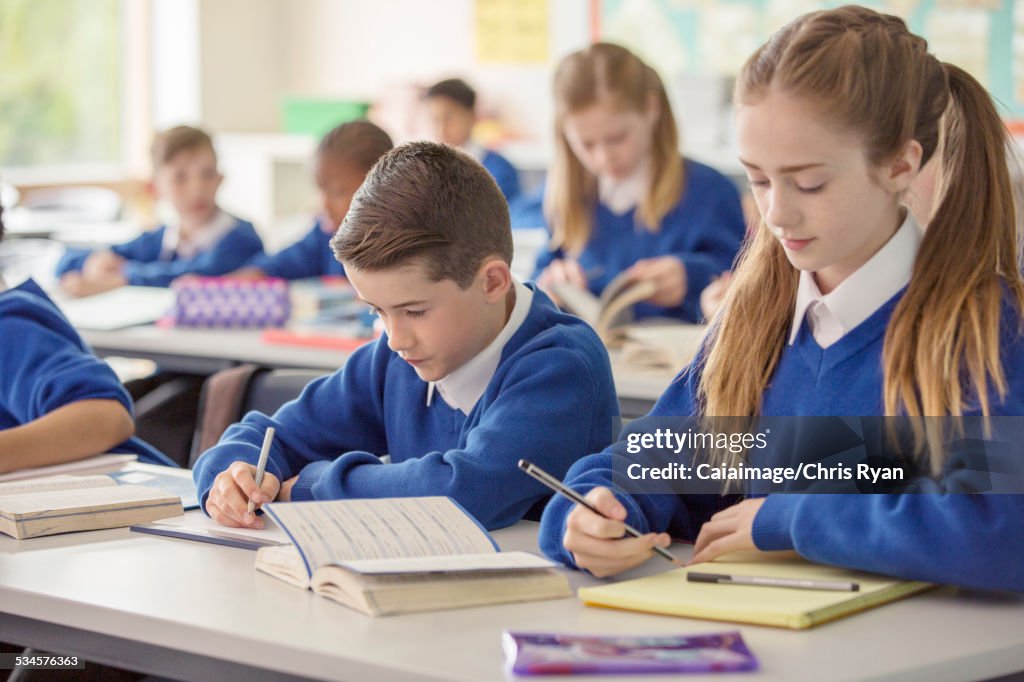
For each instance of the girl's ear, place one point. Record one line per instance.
(897, 175)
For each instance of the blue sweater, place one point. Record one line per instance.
(975, 540)
(144, 266)
(311, 256)
(551, 400)
(45, 365)
(504, 173)
(703, 230)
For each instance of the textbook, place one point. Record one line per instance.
(61, 504)
(97, 464)
(402, 555)
(609, 312)
(671, 594)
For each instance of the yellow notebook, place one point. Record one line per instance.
(671, 594)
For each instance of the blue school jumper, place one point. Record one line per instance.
(311, 256)
(504, 173)
(975, 540)
(551, 400)
(146, 265)
(703, 230)
(45, 365)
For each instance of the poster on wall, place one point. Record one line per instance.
(511, 31)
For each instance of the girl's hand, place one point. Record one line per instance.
(596, 542)
(730, 530)
(713, 295)
(668, 273)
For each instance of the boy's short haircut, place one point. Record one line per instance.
(454, 89)
(173, 141)
(360, 142)
(430, 204)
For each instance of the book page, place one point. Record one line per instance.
(343, 530)
(617, 308)
(577, 301)
(81, 500)
(48, 483)
(117, 309)
(94, 464)
(502, 561)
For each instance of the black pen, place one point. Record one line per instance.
(556, 485)
(770, 581)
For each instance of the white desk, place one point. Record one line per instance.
(198, 611)
(202, 351)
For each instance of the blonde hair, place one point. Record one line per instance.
(941, 354)
(608, 72)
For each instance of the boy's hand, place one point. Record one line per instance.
(597, 544)
(669, 276)
(228, 503)
(285, 493)
(101, 263)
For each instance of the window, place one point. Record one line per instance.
(61, 82)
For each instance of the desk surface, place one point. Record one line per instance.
(205, 602)
(205, 351)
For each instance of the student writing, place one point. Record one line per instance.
(856, 310)
(474, 371)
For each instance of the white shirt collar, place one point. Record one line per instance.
(475, 150)
(3, 284)
(862, 293)
(622, 195)
(462, 388)
(206, 238)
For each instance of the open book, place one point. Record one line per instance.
(670, 593)
(402, 555)
(612, 310)
(61, 504)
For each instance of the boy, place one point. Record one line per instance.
(343, 158)
(58, 402)
(475, 370)
(202, 240)
(451, 114)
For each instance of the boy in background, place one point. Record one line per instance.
(201, 239)
(451, 113)
(343, 158)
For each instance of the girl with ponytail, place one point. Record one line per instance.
(842, 306)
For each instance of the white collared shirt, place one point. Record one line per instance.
(3, 284)
(622, 195)
(462, 388)
(832, 315)
(202, 240)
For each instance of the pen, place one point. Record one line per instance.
(261, 467)
(767, 581)
(556, 485)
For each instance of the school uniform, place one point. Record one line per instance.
(542, 390)
(503, 172)
(311, 256)
(703, 230)
(45, 365)
(832, 366)
(158, 257)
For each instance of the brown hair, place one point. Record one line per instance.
(941, 353)
(173, 141)
(607, 72)
(455, 89)
(359, 142)
(428, 203)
